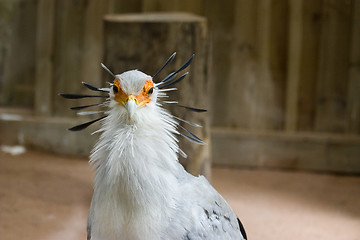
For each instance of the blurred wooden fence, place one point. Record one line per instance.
(283, 73)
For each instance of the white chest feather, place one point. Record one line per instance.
(135, 181)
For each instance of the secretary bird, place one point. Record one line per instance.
(141, 191)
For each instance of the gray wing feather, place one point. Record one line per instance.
(212, 217)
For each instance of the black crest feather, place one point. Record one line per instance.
(85, 125)
(78, 96)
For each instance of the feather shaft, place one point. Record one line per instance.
(173, 74)
(191, 139)
(168, 90)
(175, 81)
(191, 108)
(94, 88)
(85, 106)
(77, 96)
(186, 64)
(85, 125)
(89, 113)
(166, 63)
(192, 136)
(168, 78)
(190, 123)
(108, 70)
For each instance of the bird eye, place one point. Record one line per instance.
(151, 90)
(115, 89)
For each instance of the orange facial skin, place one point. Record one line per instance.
(141, 100)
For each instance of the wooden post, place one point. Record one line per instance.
(144, 42)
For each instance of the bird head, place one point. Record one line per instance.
(132, 90)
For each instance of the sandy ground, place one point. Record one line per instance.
(46, 197)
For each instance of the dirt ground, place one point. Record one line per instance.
(46, 197)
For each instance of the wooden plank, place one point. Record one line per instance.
(294, 64)
(264, 89)
(333, 72)
(296, 151)
(19, 64)
(44, 54)
(268, 99)
(92, 54)
(7, 23)
(353, 119)
(278, 64)
(69, 28)
(240, 90)
(310, 44)
(144, 42)
(220, 17)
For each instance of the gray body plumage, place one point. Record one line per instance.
(201, 214)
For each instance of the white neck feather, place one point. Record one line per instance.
(136, 171)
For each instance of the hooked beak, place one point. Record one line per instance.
(131, 105)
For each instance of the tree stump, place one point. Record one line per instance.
(144, 42)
